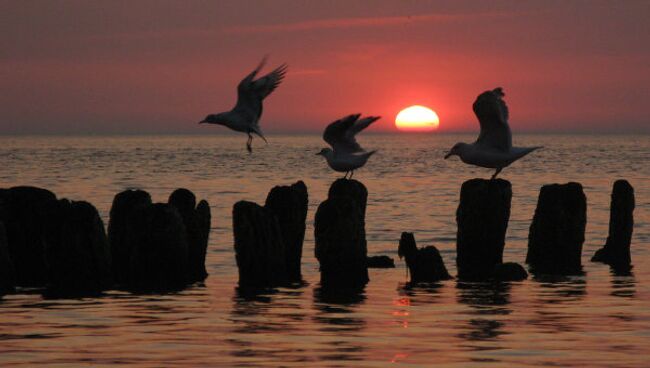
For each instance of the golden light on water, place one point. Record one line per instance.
(417, 118)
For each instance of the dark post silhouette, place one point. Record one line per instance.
(289, 204)
(558, 230)
(125, 205)
(353, 189)
(7, 277)
(380, 262)
(339, 230)
(424, 264)
(482, 217)
(159, 250)
(259, 248)
(509, 271)
(616, 251)
(76, 250)
(197, 220)
(23, 210)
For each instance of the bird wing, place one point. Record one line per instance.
(341, 134)
(358, 126)
(245, 83)
(492, 113)
(338, 136)
(362, 124)
(268, 83)
(251, 93)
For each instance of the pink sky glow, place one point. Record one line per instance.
(160, 66)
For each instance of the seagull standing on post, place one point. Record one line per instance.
(493, 148)
(346, 155)
(245, 116)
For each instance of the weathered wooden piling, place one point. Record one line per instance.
(158, 247)
(616, 251)
(122, 217)
(23, 210)
(197, 220)
(424, 264)
(558, 230)
(339, 230)
(380, 262)
(289, 204)
(7, 276)
(159, 250)
(509, 271)
(482, 217)
(259, 248)
(77, 252)
(353, 189)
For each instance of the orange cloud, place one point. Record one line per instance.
(335, 23)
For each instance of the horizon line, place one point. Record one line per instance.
(280, 133)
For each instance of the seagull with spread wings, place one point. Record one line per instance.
(346, 155)
(493, 149)
(245, 116)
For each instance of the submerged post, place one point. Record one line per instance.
(7, 277)
(23, 210)
(482, 217)
(424, 264)
(339, 230)
(259, 249)
(159, 250)
(616, 251)
(558, 230)
(197, 221)
(289, 204)
(122, 216)
(152, 248)
(380, 262)
(77, 252)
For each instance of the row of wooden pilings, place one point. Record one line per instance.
(61, 247)
(268, 239)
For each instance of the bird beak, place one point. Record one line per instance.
(202, 122)
(318, 154)
(448, 155)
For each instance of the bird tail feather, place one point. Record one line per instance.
(523, 151)
(256, 129)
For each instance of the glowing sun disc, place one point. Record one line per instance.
(417, 118)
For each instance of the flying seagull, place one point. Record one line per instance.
(493, 148)
(346, 155)
(245, 116)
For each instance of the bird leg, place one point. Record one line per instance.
(351, 173)
(496, 173)
(346, 175)
(248, 143)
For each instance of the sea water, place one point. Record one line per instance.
(597, 320)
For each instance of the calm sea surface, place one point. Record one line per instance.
(596, 320)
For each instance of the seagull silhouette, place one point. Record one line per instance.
(346, 154)
(245, 116)
(493, 148)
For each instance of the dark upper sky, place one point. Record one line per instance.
(161, 66)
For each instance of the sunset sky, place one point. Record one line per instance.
(161, 66)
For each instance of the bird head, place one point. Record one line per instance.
(457, 149)
(213, 119)
(324, 152)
